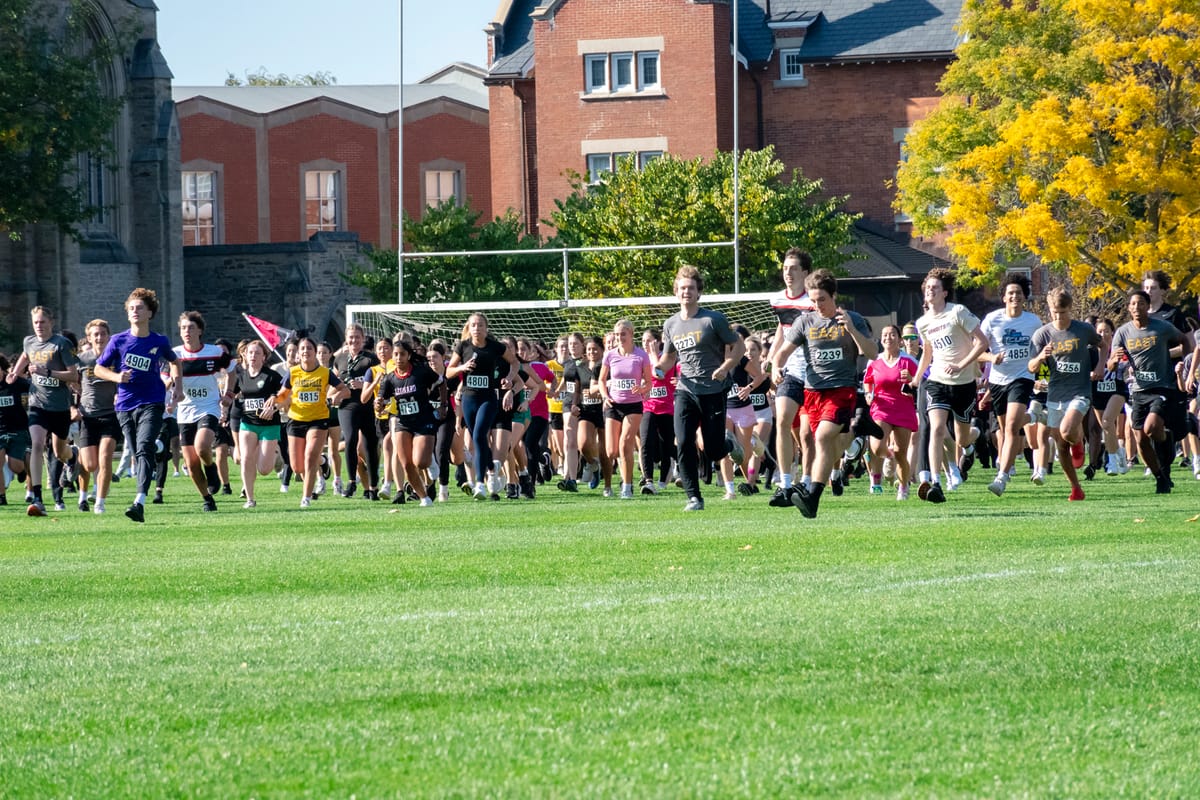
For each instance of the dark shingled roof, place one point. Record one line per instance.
(514, 47)
(852, 30)
(888, 258)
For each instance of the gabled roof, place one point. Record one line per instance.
(512, 39)
(851, 30)
(265, 99)
(888, 258)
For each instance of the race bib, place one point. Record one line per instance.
(48, 381)
(308, 396)
(196, 392)
(623, 384)
(568, 388)
(827, 355)
(1016, 354)
(1107, 387)
(136, 362)
(684, 342)
(1146, 376)
(479, 382)
(658, 392)
(1068, 368)
(758, 400)
(252, 405)
(408, 408)
(6, 401)
(592, 401)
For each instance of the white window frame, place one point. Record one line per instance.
(589, 61)
(616, 60)
(193, 201)
(433, 199)
(793, 71)
(597, 173)
(334, 201)
(644, 58)
(646, 156)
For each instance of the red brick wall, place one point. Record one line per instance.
(451, 137)
(841, 126)
(687, 65)
(324, 137)
(232, 146)
(514, 184)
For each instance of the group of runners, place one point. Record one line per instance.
(802, 408)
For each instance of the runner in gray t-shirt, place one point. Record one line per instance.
(707, 349)
(1067, 347)
(99, 428)
(829, 349)
(51, 363)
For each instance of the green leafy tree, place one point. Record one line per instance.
(264, 78)
(677, 201)
(1069, 133)
(453, 228)
(51, 110)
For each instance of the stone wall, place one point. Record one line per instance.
(293, 284)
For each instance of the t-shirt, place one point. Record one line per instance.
(350, 368)
(625, 374)
(411, 393)
(555, 404)
(538, 403)
(949, 333)
(589, 377)
(97, 397)
(490, 365)
(787, 309)
(700, 343)
(13, 417)
(570, 384)
(142, 356)
(254, 391)
(56, 354)
(738, 379)
(830, 350)
(309, 390)
(1011, 337)
(891, 404)
(1149, 353)
(1071, 362)
(201, 370)
(661, 399)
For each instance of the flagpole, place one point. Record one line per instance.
(258, 333)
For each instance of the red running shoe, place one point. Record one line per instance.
(1076, 494)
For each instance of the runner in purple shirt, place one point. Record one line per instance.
(131, 360)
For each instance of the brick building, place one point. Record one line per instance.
(834, 85)
(134, 239)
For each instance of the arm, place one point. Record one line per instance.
(783, 351)
(866, 345)
(604, 383)
(980, 347)
(733, 355)
(18, 368)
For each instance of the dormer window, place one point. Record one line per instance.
(791, 68)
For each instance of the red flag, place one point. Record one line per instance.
(269, 332)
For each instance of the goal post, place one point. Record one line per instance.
(546, 320)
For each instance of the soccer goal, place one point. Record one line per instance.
(546, 320)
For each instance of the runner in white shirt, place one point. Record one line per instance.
(788, 305)
(199, 412)
(1010, 383)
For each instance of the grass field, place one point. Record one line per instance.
(581, 647)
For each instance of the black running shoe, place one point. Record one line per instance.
(210, 504)
(568, 485)
(967, 461)
(1162, 485)
(804, 502)
(227, 489)
(935, 494)
(398, 499)
(350, 489)
(782, 497)
(837, 485)
(158, 497)
(136, 512)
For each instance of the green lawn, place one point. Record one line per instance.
(576, 646)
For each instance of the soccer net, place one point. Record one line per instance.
(546, 320)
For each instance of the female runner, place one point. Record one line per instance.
(892, 407)
(258, 435)
(418, 395)
(626, 377)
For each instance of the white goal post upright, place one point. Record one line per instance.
(546, 320)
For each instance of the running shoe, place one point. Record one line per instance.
(586, 477)
(967, 461)
(3, 499)
(902, 491)
(876, 488)
(249, 504)
(59, 505)
(511, 492)
(426, 501)
(889, 471)
(1077, 454)
(209, 505)
(320, 484)
(608, 492)
(444, 494)
(227, 489)
(694, 504)
(480, 492)
(399, 499)
(837, 484)
(98, 507)
(1089, 472)
(782, 497)
(525, 487)
(83, 503)
(997, 486)
(650, 488)
(1162, 485)
(568, 485)
(746, 489)
(36, 509)
(729, 496)
(804, 502)
(935, 494)
(1076, 493)
(337, 485)
(136, 512)
(1038, 477)
(955, 477)
(923, 490)
(325, 467)
(385, 490)
(283, 488)
(627, 493)
(158, 497)
(304, 502)
(351, 487)
(1112, 467)
(595, 479)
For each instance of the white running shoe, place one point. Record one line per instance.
(955, 474)
(337, 486)
(283, 488)
(304, 502)
(608, 492)
(320, 485)
(627, 493)
(729, 496)
(426, 501)
(252, 504)
(444, 494)
(902, 491)
(1038, 477)
(997, 486)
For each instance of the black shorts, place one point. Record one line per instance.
(593, 413)
(298, 429)
(1018, 391)
(93, 429)
(420, 425)
(504, 419)
(1100, 399)
(792, 388)
(619, 411)
(224, 436)
(1166, 403)
(169, 431)
(382, 426)
(959, 399)
(556, 420)
(56, 422)
(188, 430)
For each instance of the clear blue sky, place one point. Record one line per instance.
(358, 41)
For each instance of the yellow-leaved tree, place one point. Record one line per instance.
(1069, 131)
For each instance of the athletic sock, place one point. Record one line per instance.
(140, 499)
(37, 492)
(815, 493)
(785, 480)
(211, 475)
